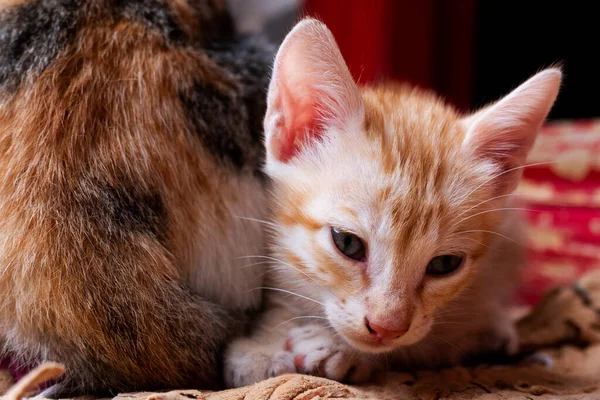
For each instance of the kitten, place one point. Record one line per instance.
(392, 221)
(130, 141)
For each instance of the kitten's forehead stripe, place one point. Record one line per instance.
(296, 215)
(440, 175)
(419, 141)
(294, 260)
(350, 212)
(300, 218)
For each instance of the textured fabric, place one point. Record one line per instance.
(567, 316)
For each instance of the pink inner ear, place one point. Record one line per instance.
(299, 123)
(311, 88)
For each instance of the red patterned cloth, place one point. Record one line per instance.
(563, 193)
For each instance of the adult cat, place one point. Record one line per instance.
(130, 140)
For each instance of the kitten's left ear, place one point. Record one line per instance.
(311, 90)
(505, 131)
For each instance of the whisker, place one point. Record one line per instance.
(454, 318)
(259, 263)
(507, 171)
(276, 260)
(451, 322)
(295, 268)
(455, 312)
(495, 233)
(481, 244)
(439, 318)
(288, 292)
(262, 221)
(485, 201)
(301, 317)
(496, 209)
(450, 344)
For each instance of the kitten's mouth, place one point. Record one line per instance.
(370, 344)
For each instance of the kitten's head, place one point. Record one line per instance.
(385, 196)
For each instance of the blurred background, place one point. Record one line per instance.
(473, 52)
(470, 51)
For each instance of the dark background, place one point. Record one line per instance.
(470, 51)
(513, 41)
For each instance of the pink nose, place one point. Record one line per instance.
(385, 333)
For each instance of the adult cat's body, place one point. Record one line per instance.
(393, 226)
(130, 140)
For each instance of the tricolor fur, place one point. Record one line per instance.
(130, 145)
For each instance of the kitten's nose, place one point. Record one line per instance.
(385, 333)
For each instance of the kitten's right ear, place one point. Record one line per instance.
(311, 90)
(505, 131)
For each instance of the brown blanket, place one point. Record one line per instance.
(563, 332)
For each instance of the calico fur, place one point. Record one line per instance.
(414, 179)
(128, 150)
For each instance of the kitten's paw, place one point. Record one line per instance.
(247, 363)
(281, 363)
(317, 352)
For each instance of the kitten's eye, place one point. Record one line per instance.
(443, 265)
(349, 244)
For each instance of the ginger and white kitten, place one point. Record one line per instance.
(393, 229)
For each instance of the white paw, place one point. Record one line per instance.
(281, 363)
(317, 352)
(247, 363)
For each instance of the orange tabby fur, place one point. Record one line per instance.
(413, 179)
